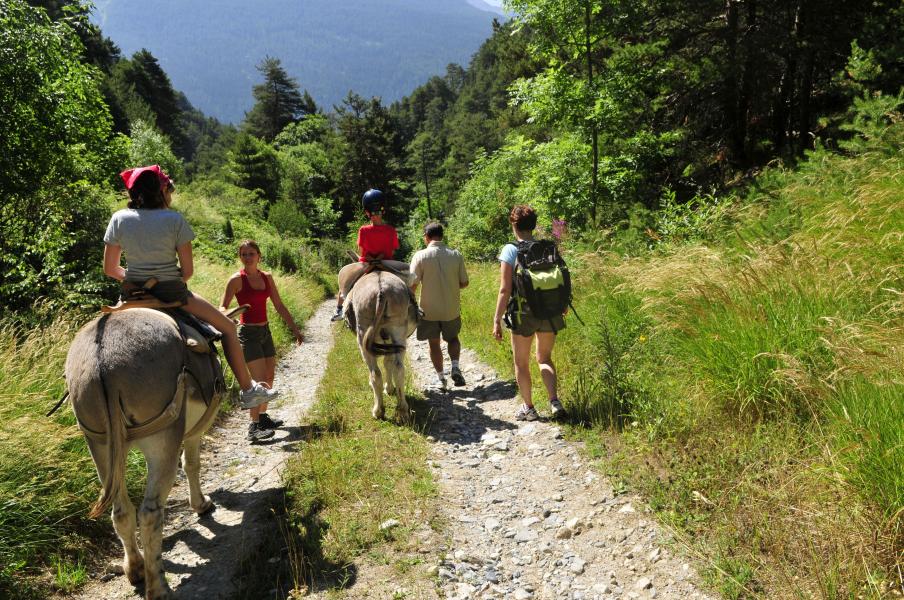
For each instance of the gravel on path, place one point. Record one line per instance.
(529, 516)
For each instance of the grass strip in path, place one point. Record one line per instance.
(354, 475)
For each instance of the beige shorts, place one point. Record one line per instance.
(429, 330)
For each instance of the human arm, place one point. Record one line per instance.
(505, 292)
(232, 286)
(463, 280)
(112, 266)
(186, 261)
(283, 311)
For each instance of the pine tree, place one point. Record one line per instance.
(278, 102)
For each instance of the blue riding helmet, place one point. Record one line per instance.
(373, 201)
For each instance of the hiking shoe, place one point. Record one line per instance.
(257, 432)
(558, 411)
(337, 316)
(269, 423)
(526, 414)
(256, 395)
(457, 377)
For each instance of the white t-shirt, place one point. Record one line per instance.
(149, 238)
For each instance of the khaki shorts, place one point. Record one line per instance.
(528, 325)
(257, 342)
(428, 330)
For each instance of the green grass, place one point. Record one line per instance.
(750, 385)
(47, 478)
(354, 473)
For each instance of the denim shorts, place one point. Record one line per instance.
(257, 342)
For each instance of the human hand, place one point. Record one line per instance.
(497, 330)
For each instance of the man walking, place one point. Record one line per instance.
(441, 270)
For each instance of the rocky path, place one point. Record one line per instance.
(529, 517)
(202, 555)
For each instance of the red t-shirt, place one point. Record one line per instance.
(377, 239)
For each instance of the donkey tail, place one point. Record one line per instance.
(116, 458)
(377, 322)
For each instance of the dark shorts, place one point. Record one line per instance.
(427, 330)
(257, 342)
(528, 325)
(173, 290)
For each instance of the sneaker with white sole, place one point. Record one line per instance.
(558, 411)
(457, 377)
(337, 316)
(526, 413)
(257, 433)
(256, 395)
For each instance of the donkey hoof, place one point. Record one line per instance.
(135, 572)
(378, 414)
(204, 508)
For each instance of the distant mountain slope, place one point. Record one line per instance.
(375, 47)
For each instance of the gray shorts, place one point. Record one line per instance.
(528, 324)
(427, 330)
(257, 342)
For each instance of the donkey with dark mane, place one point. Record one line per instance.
(385, 315)
(134, 381)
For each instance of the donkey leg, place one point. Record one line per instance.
(161, 451)
(123, 516)
(376, 378)
(191, 462)
(396, 368)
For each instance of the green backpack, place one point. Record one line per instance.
(541, 280)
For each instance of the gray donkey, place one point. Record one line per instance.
(385, 316)
(132, 381)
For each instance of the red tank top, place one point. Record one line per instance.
(257, 299)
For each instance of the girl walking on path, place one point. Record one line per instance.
(153, 237)
(253, 287)
(527, 327)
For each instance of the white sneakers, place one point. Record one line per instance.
(439, 381)
(256, 395)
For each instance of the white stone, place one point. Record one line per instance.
(491, 524)
(643, 583)
(522, 594)
(577, 566)
(389, 524)
(627, 508)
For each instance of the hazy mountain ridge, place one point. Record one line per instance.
(210, 50)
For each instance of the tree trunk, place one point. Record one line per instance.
(732, 81)
(594, 132)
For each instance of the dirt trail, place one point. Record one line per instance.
(202, 555)
(528, 516)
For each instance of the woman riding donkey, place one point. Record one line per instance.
(153, 237)
(377, 242)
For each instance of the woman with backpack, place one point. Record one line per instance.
(524, 325)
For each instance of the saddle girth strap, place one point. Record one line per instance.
(166, 418)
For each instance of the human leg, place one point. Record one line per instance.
(251, 391)
(545, 342)
(436, 354)
(454, 346)
(521, 353)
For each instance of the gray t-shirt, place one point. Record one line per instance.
(149, 238)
